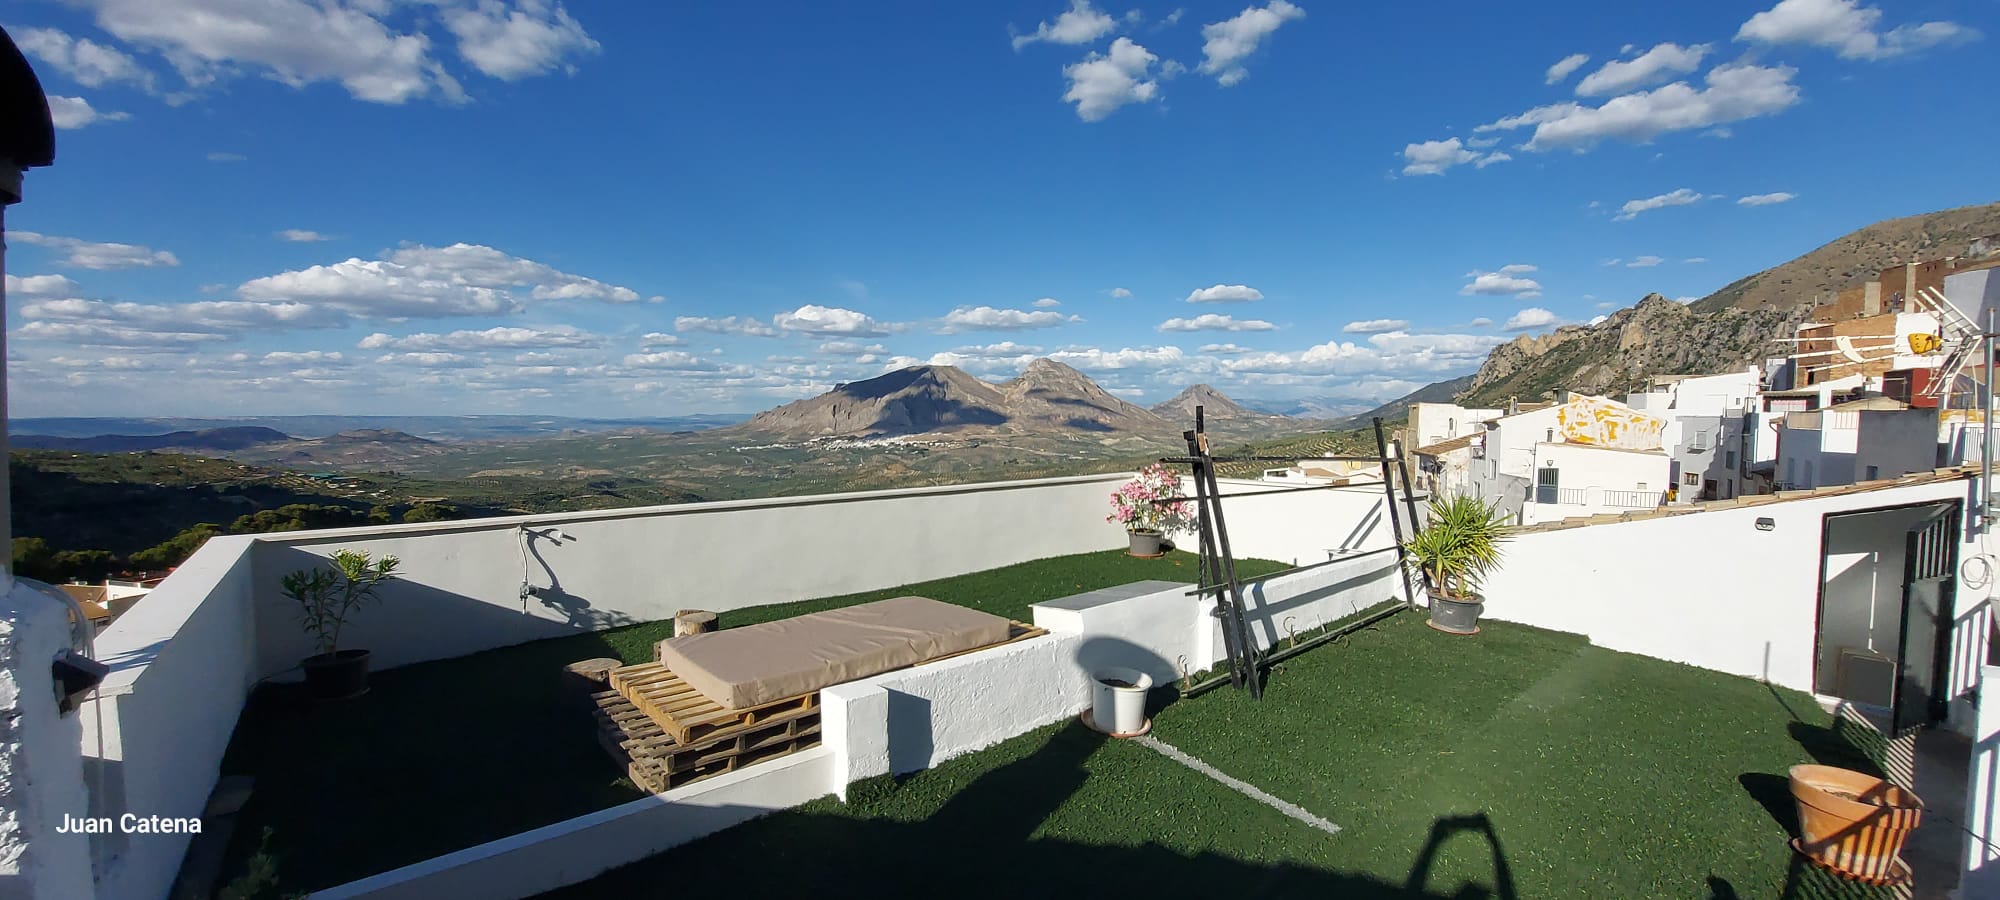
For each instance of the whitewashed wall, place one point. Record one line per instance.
(1303, 526)
(1982, 795)
(1746, 604)
(182, 665)
(1303, 601)
(460, 589)
(41, 775)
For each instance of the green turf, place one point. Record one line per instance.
(1520, 763)
(444, 755)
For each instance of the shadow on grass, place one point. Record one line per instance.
(982, 842)
(1844, 744)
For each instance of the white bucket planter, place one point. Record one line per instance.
(1118, 700)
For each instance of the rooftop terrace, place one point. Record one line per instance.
(1522, 763)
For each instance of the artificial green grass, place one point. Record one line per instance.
(445, 755)
(1520, 763)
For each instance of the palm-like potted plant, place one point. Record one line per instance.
(1455, 551)
(327, 599)
(1150, 506)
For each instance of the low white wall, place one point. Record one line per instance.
(913, 719)
(460, 590)
(181, 667)
(1303, 601)
(1982, 795)
(1306, 525)
(582, 848)
(1708, 589)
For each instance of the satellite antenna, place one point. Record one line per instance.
(1959, 339)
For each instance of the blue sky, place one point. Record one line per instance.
(377, 206)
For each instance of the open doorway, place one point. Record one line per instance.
(1887, 583)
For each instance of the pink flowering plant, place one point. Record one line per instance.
(1152, 502)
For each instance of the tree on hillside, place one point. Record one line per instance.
(432, 512)
(175, 550)
(33, 558)
(299, 517)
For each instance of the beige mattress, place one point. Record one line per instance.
(758, 664)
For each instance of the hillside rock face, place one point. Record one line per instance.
(1047, 397)
(1655, 337)
(1213, 403)
(1857, 257)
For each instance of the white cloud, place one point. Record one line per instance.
(301, 236)
(1532, 317)
(1213, 322)
(1695, 260)
(70, 113)
(1227, 43)
(82, 60)
(1677, 197)
(496, 338)
(1120, 293)
(427, 360)
(1392, 352)
(829, 321)
(420, 281)
(378, 51)
(987, 318)
(1491, 158)
(1434, 157)
(1644, 262)
(652, 339)
(1374, 326)
(1046, 303)
(81, 254)
(97, 334)
(514, 43)
(1080, 24)
(851, 348)
(1225, 293)
(214, 315)
(1096, 360)
(724, 325)
(303, 358)
(34, 287)
(1733, 92)
(224, 156)
(1224, 349)
(1507, 282)
(1482, 322)
(1765, 199)
(484, 267)
(1846, 27)
(1565, 66)
(1102, 82)
(672, 360)
(1658, 64)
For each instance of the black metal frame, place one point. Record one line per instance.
(1217, 568)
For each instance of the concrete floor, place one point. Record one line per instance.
(1934, 763)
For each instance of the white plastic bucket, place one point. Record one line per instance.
(1118, 700)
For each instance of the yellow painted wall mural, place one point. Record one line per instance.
(1602, 423)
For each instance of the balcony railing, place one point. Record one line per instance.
(1632, 499)
(1560, 496)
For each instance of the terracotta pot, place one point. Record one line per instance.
(1852, 823)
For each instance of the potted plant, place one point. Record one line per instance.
(327, 598)
(1150, 507)
(1455, 551)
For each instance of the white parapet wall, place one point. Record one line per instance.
(1302, 524)
(460, 590)
(579, 849)
(1733, 589)
(182, 663)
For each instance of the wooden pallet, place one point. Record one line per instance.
(656, 762)
(687, 716)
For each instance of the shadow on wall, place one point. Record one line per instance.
(983, 843)
(413, 621)
(1268, 617)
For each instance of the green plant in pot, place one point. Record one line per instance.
(328, 598)
(1457, 548)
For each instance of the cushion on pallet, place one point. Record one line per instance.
(755, 664)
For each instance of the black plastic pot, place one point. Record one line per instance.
(1456, 616)
(340, 675)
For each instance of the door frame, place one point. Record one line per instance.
(1957, 507)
